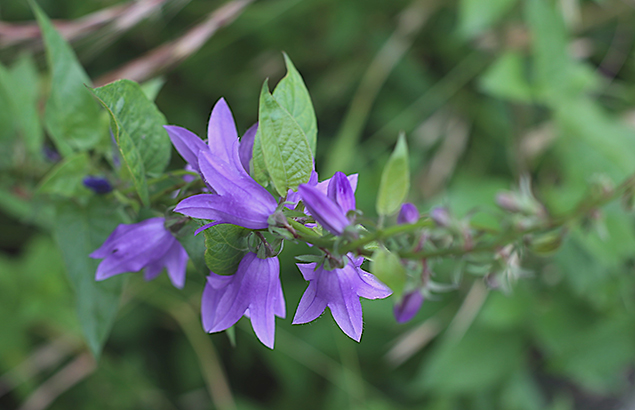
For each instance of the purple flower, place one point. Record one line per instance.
(408, 307)
(99, 185)
(408, 214)
(340, 290)
(253, 291)
(236, 198)
(146, 244)
(330, 209)
(246, 147)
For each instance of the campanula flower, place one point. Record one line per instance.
(330, 209)
(98, 185)
(339, 290)
(145, 245)
(253, 291)
(236, 197)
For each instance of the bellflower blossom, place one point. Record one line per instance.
(330, 209)
(408, 306)
(253, 291)
(340, 290)
(145, 245)
(237, 198)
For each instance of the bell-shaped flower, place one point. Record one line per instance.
(329, 209)
(339, 290)
(408, 306)
(145, 245)
(253, 291)
(236, 197)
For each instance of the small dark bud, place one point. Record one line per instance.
(508, 201)
(99, 185)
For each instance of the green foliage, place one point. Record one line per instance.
(387, 267)
(72, 117)
(79, 230)
(138, 128)
(225, 246)
(65, 179)
(395, 180)
(476, 16)
(285, 149)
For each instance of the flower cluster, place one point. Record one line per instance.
(232, 196)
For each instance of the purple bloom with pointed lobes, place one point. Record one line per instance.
(253, 291)
(408, 214)
(408, 307)
(238, 199)
(146, 244)
(187, 144)
(340, 290)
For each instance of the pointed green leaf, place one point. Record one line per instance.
(79, 231)
(292, 95)
(225, 247)
(285, 149)
(387, 267)
(25, 99)
(257, 166)
(141, 119)
(506, 78)
(395, 180)
(71, 116)
(475, 16)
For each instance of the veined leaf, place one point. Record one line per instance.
(65, 178)
(225, 247)
(292, 95)
(285, 149)
(395, 180)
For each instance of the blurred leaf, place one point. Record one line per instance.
(225, 247)
(292, 95)
(79, 230)
(476, 16)
(66, 177)
(481, 360)
(26, 91)
(395, 180)
(387, 267)
(72, 117)
(285, 149)
(506, 78)
(151, 88)
(257, 165)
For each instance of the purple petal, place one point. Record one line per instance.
(408, 307)
(246, 146)
(408, 214)
(307, 270)
(326, 212)
(340, 191)
(224, 209)
(266, 288)
(175, 261)
(186, 143)
(310, 307)
(221, 131)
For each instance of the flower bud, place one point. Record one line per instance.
(441, 217)
(99, 185)
(408, 306)
(408, 214)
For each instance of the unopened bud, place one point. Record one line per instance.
(408, 306)
(408, 214)
(99, 185)
(508, 201)
(545, 244)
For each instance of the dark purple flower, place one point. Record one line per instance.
(330, 209)
(146, 244)
(237, 198)
(408, 214)
(99, 185)
(339, 290)
(253, 291)
(408, 307)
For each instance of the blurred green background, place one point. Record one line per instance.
(486, 91)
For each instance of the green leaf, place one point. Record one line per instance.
(475, 16)
(395, 180)
(79, 231)
(506, 78)
(285, 148)
(387, 267)
(65, 178)
(25, 80)
(141, 119)
(257, 166)
(225, 247)
(72, 117)
(193, 245)
(292, 95)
